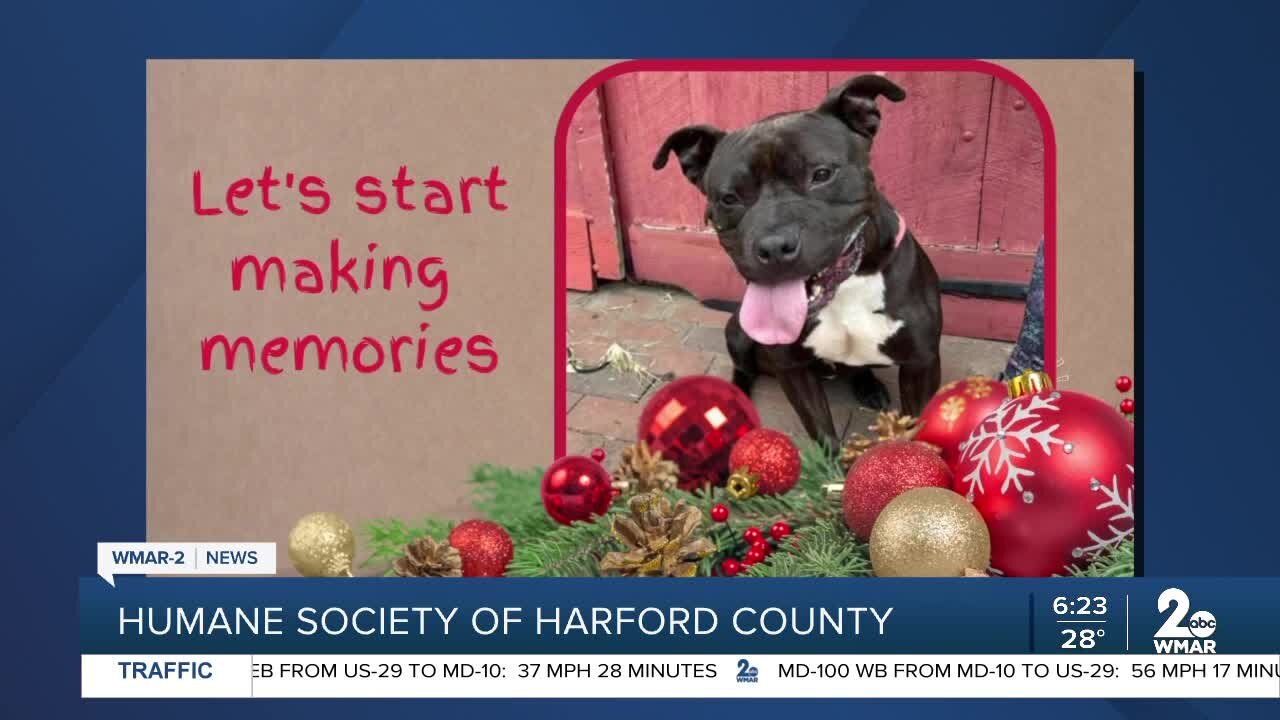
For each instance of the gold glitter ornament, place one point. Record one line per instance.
(929, 532)
(322, 544)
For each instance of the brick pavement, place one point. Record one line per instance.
(673, 335)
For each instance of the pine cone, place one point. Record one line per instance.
(425, 557)
(661, 540)
(645, 471)
(888, 426)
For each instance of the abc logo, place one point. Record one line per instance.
(1202, 623)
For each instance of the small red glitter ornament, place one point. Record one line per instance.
(485, 548)
(884, 472)
(576, 488)
(720, 512)
(770, 457)
(694, 422)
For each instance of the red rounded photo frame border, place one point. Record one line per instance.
(866, 65)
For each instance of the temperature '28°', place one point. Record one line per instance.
(1081, 621)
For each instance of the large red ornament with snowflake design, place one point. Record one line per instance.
(768, 456)
(1051, 472)
(955, 410)
(694, 422)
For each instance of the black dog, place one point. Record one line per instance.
(835, 282)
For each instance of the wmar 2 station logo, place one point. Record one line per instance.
(747, 673)
(1180, 634)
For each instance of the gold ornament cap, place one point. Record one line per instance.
(1030, 381)
(742, 485)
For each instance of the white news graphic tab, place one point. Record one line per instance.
(683, 676)
(169, 558)
(166, 676)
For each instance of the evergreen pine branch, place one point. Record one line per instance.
(802, 507)
(565, 550)
(826, 549)
(499, 491)
(1116, 562)
(797, 507)
(387, 538)
(513, 499)
(822, 547)
(728, 544)
(819, 465)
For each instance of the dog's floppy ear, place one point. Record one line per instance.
(854, 102)
(693, 146)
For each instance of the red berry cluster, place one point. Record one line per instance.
(758, 546)
(1124, 384)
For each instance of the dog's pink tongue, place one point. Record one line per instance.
(774, 314)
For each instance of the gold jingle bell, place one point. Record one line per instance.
(742, 485)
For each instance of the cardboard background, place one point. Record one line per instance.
(239, 456)
(1091, 103)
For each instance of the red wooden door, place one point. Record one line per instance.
(961, 158)
(592, 233)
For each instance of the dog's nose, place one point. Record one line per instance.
(777, 249)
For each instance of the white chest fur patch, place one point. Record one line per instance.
(852, 327)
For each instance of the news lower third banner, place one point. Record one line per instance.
(525, 638)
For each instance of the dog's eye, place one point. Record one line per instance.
(730, 199)
(821, 175)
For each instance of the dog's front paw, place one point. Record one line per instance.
(869, 391)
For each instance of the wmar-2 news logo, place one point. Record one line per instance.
(1177, 636)
(747, 673)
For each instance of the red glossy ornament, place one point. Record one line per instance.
(598, 455)
(694, 422)
(884, 472)
(761, 546)
(720, 512)
(730, 567)
(1124, 383)
(1051, 472)
(752, 534)
(752, 557)
(485, 548)
(1126, 406)
(576, 488)
(779, 530)
(769, 456)
(955, 410)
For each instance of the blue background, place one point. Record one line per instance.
(72, 209)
